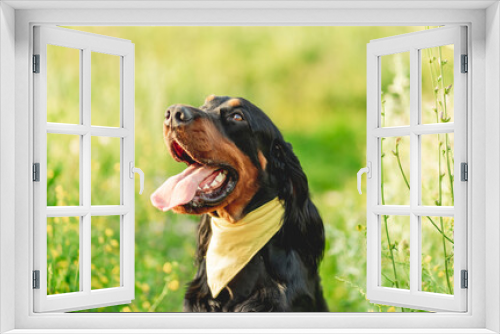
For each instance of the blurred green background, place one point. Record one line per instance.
(311, 81)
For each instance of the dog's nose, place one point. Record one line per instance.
(178, 115)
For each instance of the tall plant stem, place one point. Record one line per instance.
(450, 177)
(400, 166)
(445, 260)
(408, 185)
(440, 203)
(445, 112)
(445, 116)
(396, 282)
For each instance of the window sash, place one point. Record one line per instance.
(414, 298)
(86, 298)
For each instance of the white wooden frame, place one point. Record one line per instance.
(414, 43)
(483, 17)
(86, 43)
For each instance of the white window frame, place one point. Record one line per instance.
(414, 43)
(86, 44)
(483, 20)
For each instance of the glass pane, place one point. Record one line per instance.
(437, 84)
(395, 171)
(105, 90)
(395, 86)
(105, 170)
(437, 254)
(63, 84)
(395, 257)
(437, 169)
(63, 166)
(63, 249)
(105, 252)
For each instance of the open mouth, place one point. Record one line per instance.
(201, 184)
(213, 189)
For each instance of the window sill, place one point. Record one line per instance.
(248, 331)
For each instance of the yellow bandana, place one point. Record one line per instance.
(233, 245)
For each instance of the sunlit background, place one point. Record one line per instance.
(311, 81)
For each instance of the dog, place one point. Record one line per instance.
(238, 162)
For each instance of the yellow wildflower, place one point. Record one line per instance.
(108, 232)
(174, 285)
(104, 280)
(167, 268)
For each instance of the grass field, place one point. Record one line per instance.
(311, 81)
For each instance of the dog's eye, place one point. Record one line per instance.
(237, 117)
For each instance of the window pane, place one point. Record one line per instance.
(437, 169)
(395, 257)
(63, 84)
(395, 171)
(105, 252)
(63, 249)
(437, 84)
(437, 254)
(395, 86)
(63, 166)
(105, 90)
(105, 170)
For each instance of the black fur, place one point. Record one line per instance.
(283, 276)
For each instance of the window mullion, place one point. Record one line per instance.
(85, 167)
(414, 171)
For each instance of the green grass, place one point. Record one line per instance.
(311, 81)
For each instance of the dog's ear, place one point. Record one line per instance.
(303, 227)
(204, 235)
(285, 166)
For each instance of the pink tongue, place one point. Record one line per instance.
(181, 188)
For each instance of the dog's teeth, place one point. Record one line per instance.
(206, 186)
(217, 181)
(220, 178)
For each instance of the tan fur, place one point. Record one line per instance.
(262, 160)
(234, 103)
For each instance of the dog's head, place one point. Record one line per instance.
(233, 152)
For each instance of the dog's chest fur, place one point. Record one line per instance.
(274, 280)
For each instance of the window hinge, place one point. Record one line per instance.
(36, 172)
(36, 63)
(36, 279)
(465, 279)
(464, 171)
(465, 64)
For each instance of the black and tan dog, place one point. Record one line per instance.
(239, 163)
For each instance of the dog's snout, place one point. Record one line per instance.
(178, 115)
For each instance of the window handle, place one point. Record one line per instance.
(133, 170)
(368, 171)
